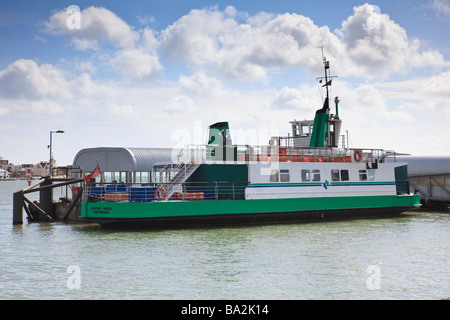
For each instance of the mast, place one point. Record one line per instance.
(326, 127)
(326, 65)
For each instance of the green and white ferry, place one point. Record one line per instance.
(305, 176)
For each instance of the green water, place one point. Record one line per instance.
(395, 258)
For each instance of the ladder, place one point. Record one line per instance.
(183, 172)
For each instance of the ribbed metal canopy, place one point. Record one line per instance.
(123, 159)
(425, 165)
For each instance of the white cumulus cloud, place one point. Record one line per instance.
(97, 24)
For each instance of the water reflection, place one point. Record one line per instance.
(326, 260)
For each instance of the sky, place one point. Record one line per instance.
(157, 73)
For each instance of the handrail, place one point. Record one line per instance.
(133, 192)
(270, 153)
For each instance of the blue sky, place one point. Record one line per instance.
(157, 73)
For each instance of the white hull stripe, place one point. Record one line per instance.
(290, 185)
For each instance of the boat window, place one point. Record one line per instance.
(274, 175)
(315, 175)
(284, 175)
(362, 175)
(371, 175)
(305, 130)
(344, 175)
(334, 175)
(296, 130)
(306, 175)
(107, 176)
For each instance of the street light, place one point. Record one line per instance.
(50, 163)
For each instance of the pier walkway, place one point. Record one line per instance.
(430, 176)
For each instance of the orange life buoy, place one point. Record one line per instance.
(357, 155)
(160, 194)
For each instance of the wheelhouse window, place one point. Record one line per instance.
(284, 175)
(274, 175)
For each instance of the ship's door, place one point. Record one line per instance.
(401, 180)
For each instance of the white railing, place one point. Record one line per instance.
(209, 154)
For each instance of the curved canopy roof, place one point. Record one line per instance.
(426, 165)
(123, 159)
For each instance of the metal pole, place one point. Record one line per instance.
(50, 161)
(50, 171)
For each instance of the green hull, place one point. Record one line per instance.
(253, 210)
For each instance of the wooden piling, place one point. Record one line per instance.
(43, 212)
(46, 197)
(18, 207)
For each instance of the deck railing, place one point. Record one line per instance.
(268, 153)
(189, 191)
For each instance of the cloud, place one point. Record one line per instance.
(135, 51)
(241, 47)
(180, 105)
(364, 104)
(26, 86)
(25, 79)
(200, 85)
(441, 7)
(429, 94)
(304, 99)
(97, 24)
(195, 36)
(136, 64)
(239, 51)
(3, 111)
(377, 46)
(369, 44)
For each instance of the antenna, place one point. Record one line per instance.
(328, 77)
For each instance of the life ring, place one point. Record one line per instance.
(160, 194)
(357, 156)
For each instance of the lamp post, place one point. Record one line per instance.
(50, 163)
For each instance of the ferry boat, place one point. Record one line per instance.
(305, 176)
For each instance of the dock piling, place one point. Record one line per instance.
(43, 211)
(18, 199)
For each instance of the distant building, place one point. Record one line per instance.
(29, 170)
(4, 174)
(41, 169)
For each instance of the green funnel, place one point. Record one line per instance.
(219, 134)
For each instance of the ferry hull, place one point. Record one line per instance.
(239, 212)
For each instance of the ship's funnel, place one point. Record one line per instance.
(219, 134)
(326, 128)
(219, 143)
(320, 130)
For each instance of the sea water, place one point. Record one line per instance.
(406, 257)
